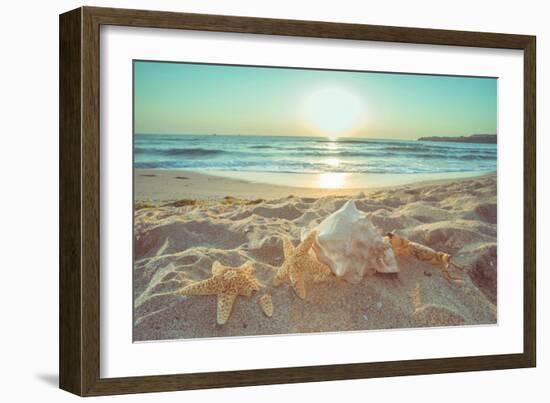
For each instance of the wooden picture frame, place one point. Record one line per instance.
(79, 347)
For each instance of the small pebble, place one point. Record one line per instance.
(365, 317)
(379, 305)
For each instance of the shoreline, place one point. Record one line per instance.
(166, 185)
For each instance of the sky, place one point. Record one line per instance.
(186, 98)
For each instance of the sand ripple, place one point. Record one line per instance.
(176, 244)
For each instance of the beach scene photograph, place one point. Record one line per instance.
(279, 200)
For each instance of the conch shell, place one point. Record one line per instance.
(351, 246)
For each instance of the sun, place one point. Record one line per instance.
(332, 110)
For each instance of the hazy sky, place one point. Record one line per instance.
(206, 99)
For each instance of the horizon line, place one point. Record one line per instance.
(315, 136)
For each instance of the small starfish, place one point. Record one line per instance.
(227, 283)
(297, 263)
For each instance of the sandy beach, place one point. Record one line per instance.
(185, 221)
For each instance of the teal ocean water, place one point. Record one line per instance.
(309, 154)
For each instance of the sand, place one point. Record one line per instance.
(185, 221)
(165, 185)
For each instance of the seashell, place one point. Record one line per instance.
(266, 303)
(349, 243)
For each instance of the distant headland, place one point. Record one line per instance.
(474, 138)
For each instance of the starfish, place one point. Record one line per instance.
(227, 283)
(297, 263)
(404, 247)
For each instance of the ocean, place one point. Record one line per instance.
(280, 154)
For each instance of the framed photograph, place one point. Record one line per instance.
(249, 201)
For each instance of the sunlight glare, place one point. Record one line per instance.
(333, 110)
(333, 162)
(332, 180)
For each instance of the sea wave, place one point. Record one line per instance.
(309, 155)
(192, 152)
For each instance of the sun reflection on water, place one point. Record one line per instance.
(332, 180)
(333, 162)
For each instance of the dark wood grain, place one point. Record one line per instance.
(90, 202)
(70, 273)
(530, 202)
(80, 196)
(317, 29)
(161, 383)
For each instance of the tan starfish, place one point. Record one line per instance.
(227, 283)
(297, 263)
(404, 247)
